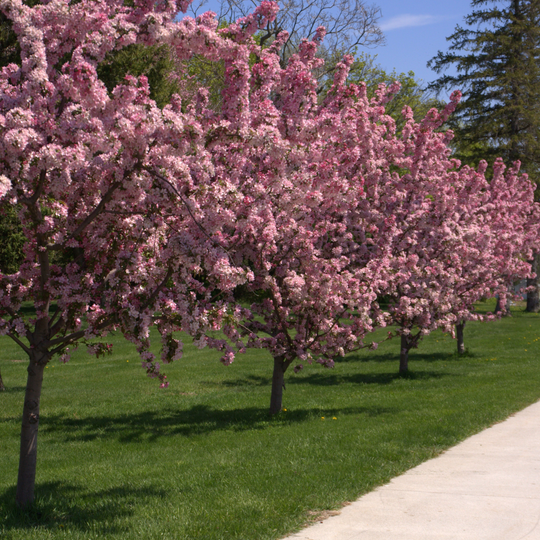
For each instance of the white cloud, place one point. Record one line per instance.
(406, 21)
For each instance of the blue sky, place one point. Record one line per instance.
(415, 30)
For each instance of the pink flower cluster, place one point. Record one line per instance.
(315, 210)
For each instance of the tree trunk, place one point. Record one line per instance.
(278, 383)
(499, 307)
(404, 355)
(2, 387)
(459, 336)
(533, 298)
(29, 430)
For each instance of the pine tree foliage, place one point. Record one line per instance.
(497, 59)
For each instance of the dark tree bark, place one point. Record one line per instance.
(459, 337)
(29, 430)
(533, 298)
(278, 383)
(404, 354)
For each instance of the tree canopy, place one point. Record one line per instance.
(349, 24)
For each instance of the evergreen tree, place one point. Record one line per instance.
(498, 71)
(497, 59)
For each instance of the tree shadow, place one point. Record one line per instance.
(59, 505)
(325, 379)
(318, 379)
(249, 380)
(12, 389)
(10, 420)
(414, 356)
(444, 357)
(149, 426)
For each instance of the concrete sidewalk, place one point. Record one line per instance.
(486, 488)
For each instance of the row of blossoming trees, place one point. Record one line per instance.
(316, 209)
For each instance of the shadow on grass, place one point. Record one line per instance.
(324, 379)
(249, 381)
(62, 506)
(447, 357)
(12, 390)
(199, 420)
(327, 378)
(414, 356)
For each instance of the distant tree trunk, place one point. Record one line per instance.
(2, 387)
(533, 299)
(459, 336)
(278, 383)
(406, 345)
(29, 429)
(499, 307)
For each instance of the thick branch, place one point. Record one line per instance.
(158, 289)
(38, 192)
(96, 212)
(19, 343)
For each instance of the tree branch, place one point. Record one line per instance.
(26, 349)
(186, 204)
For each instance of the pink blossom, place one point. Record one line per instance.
(5, 185)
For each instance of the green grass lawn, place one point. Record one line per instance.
(120, 458)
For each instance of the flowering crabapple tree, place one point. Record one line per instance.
(343, 210)
(504, 235)
(315, 277)
(407, 191)
(125, 192)
(451, 246)
(426, 201)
